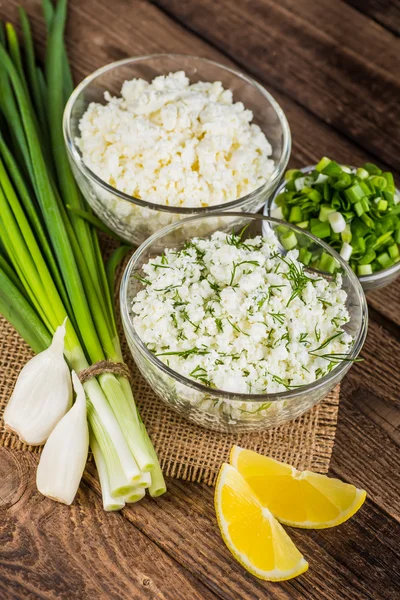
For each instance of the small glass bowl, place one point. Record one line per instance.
(135, 219)
(218, 409)
(369, 282)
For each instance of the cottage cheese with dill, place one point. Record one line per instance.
(238, 316)
(174, 143)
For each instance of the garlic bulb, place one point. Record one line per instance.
(42, 394)
(64, 456)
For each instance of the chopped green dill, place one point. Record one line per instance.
(245, 372)
(243, 262)
(261, 302)
(336, 358)
(317, 333)
(141, 279)
(298, 279)
(164, 259)
(200, 374)
(237, 328)
(236, 240)
(191, 245)
(284, 383)
(219, 325)
(326, 342)
(160, 266)
(278, 317)
(215, 287)
(174, 319)
(185, 317)
(285, 337)
(303, 339)
(336, 321)
(179, 302)
(262, 407)
(210, 309)
(324, 302)
(168, 288)
(235, 356)
(275, 255)
(274, 287)
(185, 353)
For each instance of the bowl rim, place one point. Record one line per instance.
(76, 157)
(364, 279)
(339, 371)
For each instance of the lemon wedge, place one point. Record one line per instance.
(297, 498)
(250, 531)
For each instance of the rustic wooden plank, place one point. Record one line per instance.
(367, 446)
(381, 366)
(385, 12)
(49, 550)
(112, 40)
(327, 56)
(387, 301)
(355, 560)
(195, 542)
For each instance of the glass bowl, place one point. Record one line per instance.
(369, 282)
(218, 409)
(135, 219)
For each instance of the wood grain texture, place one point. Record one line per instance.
(384, 12)
(49, 550)
(327, 56)
(170, 547)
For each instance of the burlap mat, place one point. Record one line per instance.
(185, 450)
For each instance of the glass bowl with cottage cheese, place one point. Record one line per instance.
(158, 138)
(231, 329)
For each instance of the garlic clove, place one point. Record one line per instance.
(42, 394)
(65, 453)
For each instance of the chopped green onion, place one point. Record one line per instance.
(358, 207)
(296, 215)
(289, 240)
(367, 258)
(346, 251)
(364, 270)
(346, 234)
(384, 260)
(354, 193)
(324, 162)
(328, 263)
(321, 229)
(362, 173)
(381, 205)
(342, 206)
(324, 212)
(393, 251)
(303, 224)
(337, 222)
(305, 256)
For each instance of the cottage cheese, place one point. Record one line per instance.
(238, 316)
(173, 143)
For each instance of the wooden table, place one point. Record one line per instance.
(334, 68)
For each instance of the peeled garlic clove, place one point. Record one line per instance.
(64, 456)
(42, 394)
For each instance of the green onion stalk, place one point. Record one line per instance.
(50, 261)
